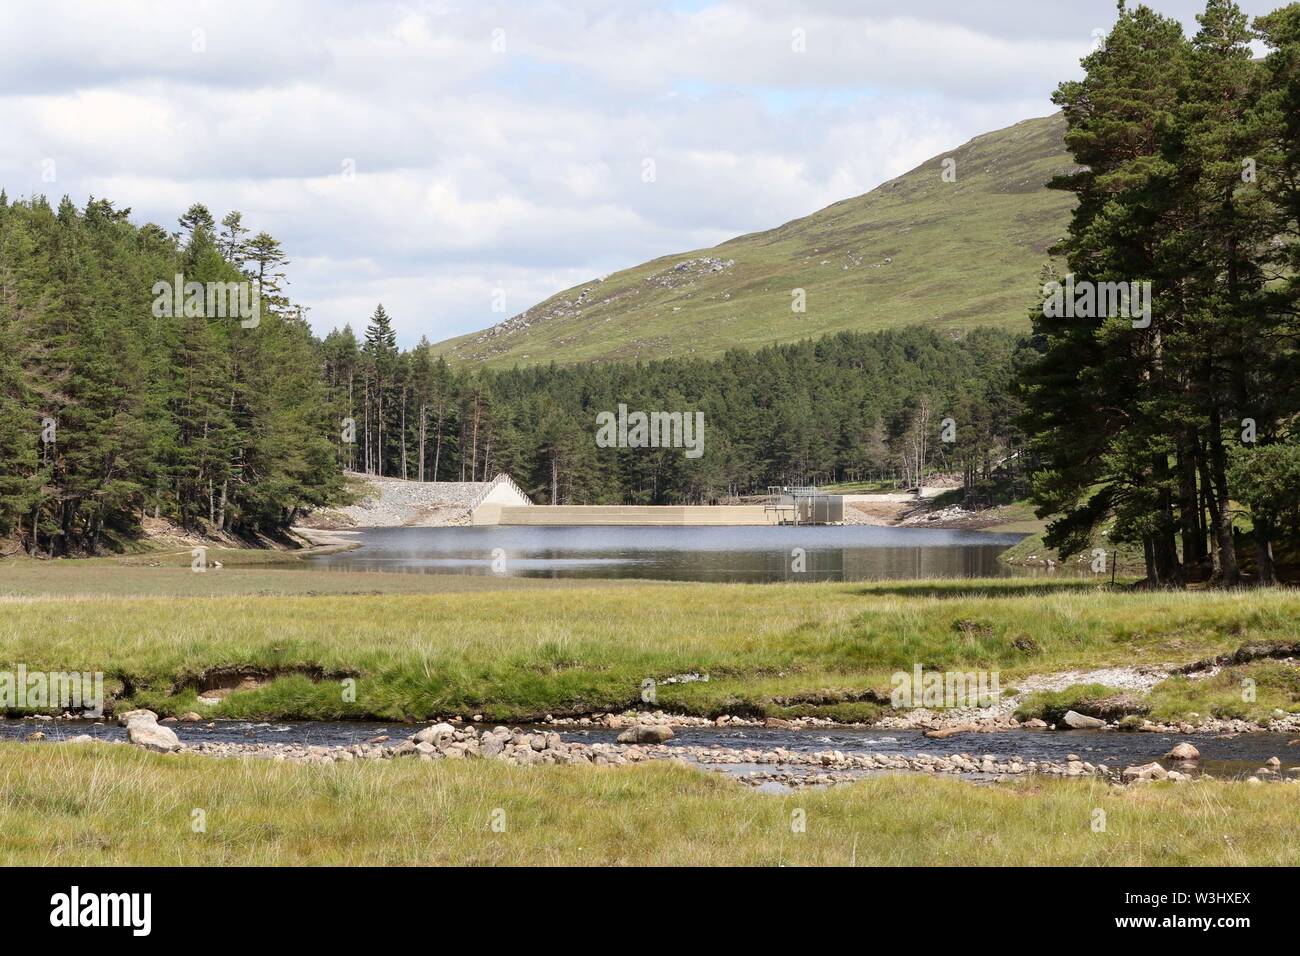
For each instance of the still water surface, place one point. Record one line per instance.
(827, 553)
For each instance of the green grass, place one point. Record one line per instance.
(1032, 551)
(1018, 518)
(246, 572)
(1276, 686)
(874, 487)
(517, 652)
(1051, 705)
(961, 255)
(97, 804)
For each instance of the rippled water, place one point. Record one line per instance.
(771, 553)
(1221, 756)
(1225, 756)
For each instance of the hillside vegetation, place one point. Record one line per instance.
(915, 251)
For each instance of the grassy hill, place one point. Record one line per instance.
(914, 251)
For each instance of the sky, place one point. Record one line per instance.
(460, 162)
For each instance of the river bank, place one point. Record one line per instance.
(511, 651)
(756, 684)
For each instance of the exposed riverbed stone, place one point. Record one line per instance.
(1150, 771)
(752, 765)
(950, 731)
(151, 735)
(434, 733)
(1082, 722)
(649, 737)
(1183, 751)
(645, 734)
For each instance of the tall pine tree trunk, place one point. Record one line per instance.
(366, 400)
(1221, 506)
(473, 452)
(424, 422)
(1168, 567)
(379, 428)
(1264, 551)
(437, 444)
(1224, 550)
(403, 416)
(1188, 502)
(352, 448)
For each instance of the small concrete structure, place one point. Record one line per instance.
(804, 504)
(499, 493)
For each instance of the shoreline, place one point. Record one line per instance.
(934, 723)
(324, 541)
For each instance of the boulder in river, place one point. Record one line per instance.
(1082, 722)
(124, 720)
(943, 732)
(1184, 751)
(152, 735)
(646, 734)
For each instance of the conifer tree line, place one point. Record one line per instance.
(847, 407)
(1182, 437)
(111, 415)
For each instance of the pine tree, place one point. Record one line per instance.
(1093, 400)
(381, 351)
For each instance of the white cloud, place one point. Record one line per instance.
(519, 169)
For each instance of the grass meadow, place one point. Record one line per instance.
(79, 804)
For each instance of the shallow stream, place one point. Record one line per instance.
(1222, 756)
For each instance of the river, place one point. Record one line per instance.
(1223, 756)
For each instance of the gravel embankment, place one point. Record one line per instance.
(395, 503)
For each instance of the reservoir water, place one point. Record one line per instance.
(755, 554)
